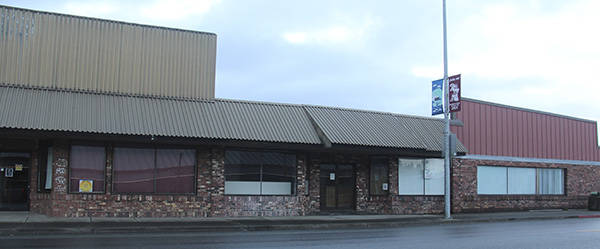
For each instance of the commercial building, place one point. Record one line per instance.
(105, 118)
(523, 159)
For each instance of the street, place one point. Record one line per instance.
(562, 233)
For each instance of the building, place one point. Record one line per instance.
(105, 118)
(523, 159)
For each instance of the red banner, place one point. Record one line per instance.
(454, 93)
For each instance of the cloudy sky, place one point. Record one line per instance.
(383, 55)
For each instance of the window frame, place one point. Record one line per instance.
(537, 190)
(387, 170)
(106, 149)
(155, 148)
(295, 177)
(424, 191)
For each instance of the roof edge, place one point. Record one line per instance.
(328, 107)
(91, 92)
(527, 110)
(528, 159)
(108, 20)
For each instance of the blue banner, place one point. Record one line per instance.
(437, 103)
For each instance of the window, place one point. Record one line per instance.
(434, 176)
(521, 181)
(491, 180)
(45, 168)
(175, 171)
(144, 170)
(550, 181)
(494, 180)
(421, 176)
(86, 169)
(259, 173)
(379, 176)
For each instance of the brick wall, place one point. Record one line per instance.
(38, 202)
(580, 181)
(210, 199)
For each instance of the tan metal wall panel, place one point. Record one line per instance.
(60, 51)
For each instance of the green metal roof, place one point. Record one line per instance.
(58, 110)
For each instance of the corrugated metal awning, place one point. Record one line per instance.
(55, 110)
(368, 128)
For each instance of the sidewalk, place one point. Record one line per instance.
(12, 223)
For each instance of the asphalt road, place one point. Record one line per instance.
(563, 233)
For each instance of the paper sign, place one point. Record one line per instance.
(19, 167)
(86, 186)
(9, 172)
(332, 176)
(384, 186)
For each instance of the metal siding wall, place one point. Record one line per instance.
(493, 130)
(59, 51)
(504, 131)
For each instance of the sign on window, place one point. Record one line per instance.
(86, 186)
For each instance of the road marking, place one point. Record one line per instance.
(589, 231)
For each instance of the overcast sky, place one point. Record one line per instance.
(383, 55)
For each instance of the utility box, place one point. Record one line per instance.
(594, 202)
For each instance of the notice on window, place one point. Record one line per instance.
(332, 176)
(86, 186)
(18, 167)
(9, 172)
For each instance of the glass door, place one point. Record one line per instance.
(337, 187)
(14, 181)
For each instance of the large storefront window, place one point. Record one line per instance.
(86, 169)
(143, 170)
(421, 176)
(259, 173)
(494, 180)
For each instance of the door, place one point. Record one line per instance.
(14, 181)
(337, 187)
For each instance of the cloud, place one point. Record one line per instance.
(539, 58)
(509, 41)
(158, 12)
(96, 9)
(171, 10)
(346, 32)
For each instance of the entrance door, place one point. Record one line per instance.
(14, 181)
(337, 187)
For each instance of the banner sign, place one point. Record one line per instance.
(437, 103)
(454, 93)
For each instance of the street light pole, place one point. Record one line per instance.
(446, 126)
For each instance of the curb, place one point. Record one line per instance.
(15, 229)
(589, 216)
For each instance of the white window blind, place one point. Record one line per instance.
(410, 177)
(491, 180)
(550, 181)
(521, 181)
(496, 180)
(48, 183)
(434, 176)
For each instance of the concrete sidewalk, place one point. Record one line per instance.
(13, 223)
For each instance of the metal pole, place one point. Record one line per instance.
(447, 126)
